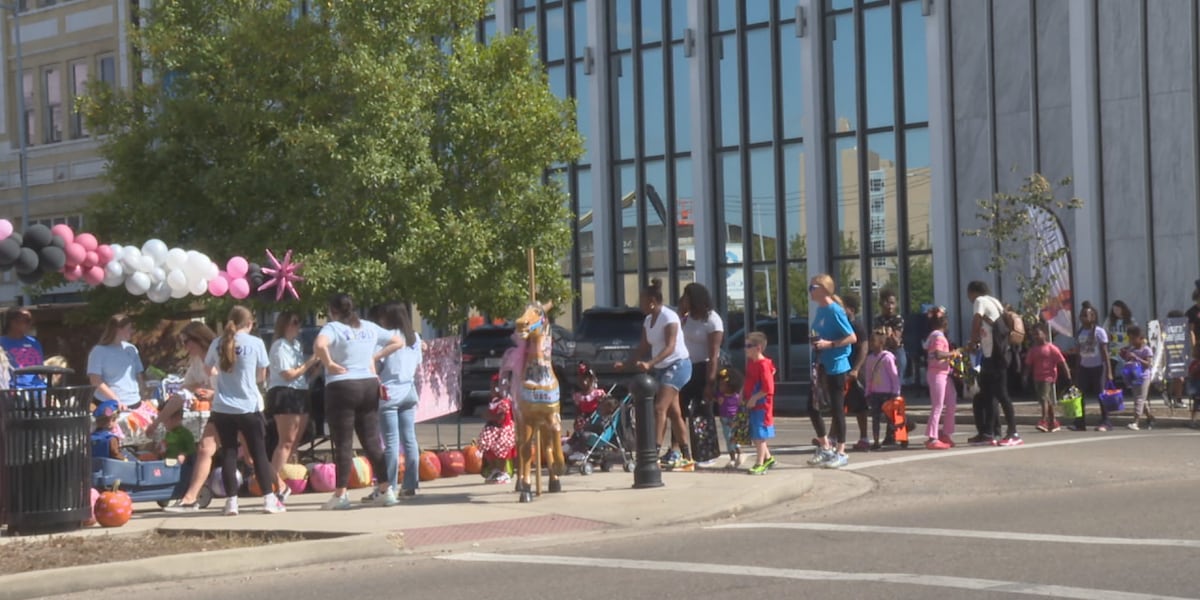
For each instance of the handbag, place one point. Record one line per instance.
(1112, 398)
(702, 429)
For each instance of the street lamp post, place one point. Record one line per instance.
(22, 121)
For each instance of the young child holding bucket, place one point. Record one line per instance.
(1043, 360)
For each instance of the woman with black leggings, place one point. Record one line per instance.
(242, 362)
(833, 339)
(347, 347)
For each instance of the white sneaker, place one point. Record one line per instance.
(387, 498)
(285, 494)
(1134, 426)
(231, 507)
(272, 505)
(337, 503)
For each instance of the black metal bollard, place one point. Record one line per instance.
(646, 474)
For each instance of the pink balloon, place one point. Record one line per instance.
(88, 241)
(94, 276)
(76, 253)
(64, 231)
(73, 273)
(239, 288)
(92, 259)
(217, 286)
(237, 267)
(6, 229)
(104, 251)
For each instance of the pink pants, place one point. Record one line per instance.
(941, 396)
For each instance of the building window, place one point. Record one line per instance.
(52, 97)
(30, 109)
(74, 221)
(107, 69)
(79, 79)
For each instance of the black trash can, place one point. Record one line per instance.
(45, 456)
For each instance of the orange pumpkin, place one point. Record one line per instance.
(360, 473)
(430, 466)
(114, 508)
(453, 463)
(473, 458)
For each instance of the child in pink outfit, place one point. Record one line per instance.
(883, 380)
(942, 396)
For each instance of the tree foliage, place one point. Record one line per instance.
(400, 158)
(1008, 224)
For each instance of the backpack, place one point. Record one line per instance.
(1016, 327)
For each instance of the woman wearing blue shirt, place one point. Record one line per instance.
(398, 409)
(287, 386)
(114, 365)
(347, 346)
(242, 362)
(833, 339)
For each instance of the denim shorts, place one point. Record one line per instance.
(676, 375)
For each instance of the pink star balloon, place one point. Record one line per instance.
(282, 276)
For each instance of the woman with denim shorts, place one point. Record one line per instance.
(662, 335)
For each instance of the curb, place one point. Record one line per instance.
(53, 582)
(757, 499)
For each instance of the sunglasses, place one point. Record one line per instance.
(748, 346)
(814, 287)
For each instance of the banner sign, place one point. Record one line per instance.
(1177, 344)
(1050, 239)
(439, 379)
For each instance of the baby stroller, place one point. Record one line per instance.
(606, 437)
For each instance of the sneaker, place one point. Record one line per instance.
(1150, 423)
(686, 465)
(370, 498)
(822, 456)
(981, 440)
(272, 505)
(1057, 427)
(862, 446)
(757, 470)
(231, 507)
(770, 462)
(1134, 426)
(285, 494)
(947, 440)
(672, 459)
(179, 507)
(1012, 440)
(838, 461)
(413, 493)
(1042, 427)
(667, 457)
(712, 462)
(502, 478)
(936, 445)
(1104, 428)
(337, 503)
(876, 447)
(387, 498)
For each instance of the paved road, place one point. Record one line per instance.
(1104, 517)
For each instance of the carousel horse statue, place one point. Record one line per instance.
(535, 390)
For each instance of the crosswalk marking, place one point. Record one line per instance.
(935, 581)
(966, 533)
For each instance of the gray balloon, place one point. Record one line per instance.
(27, 262)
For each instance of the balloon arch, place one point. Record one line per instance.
(153, 270)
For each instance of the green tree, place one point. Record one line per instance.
(1008, 223)
(399, 157)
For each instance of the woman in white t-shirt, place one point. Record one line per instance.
(703, 332)
(662, 335)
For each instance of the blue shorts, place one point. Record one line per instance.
(676, 375)
(758, 431)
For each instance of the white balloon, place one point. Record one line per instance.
(159, 292)
(113, 280)
(156, 249)
(157, 275)
(197, 287)
(180, 293)
(176, 280)
(176, 258)
(212, 272)
(197, 265)
(146, 265)
(117, 250)
(115, 269)
(132, 257)
(138, 283)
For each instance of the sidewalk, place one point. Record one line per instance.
(446, 513)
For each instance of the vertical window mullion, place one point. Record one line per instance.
(901, 136)
(860, 135)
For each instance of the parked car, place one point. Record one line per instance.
(801, 351)
(482, 350)
(603, 337)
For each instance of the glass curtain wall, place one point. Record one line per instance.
(561, 36)
(876, 109)
(651, 145)
(759, 175)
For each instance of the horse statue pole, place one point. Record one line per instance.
(537, 434)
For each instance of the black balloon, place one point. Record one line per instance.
(31, 277)
(16, 235)
(37, 237)
(10, 249)
(58, 242)
(27, 261)
(52, 258)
